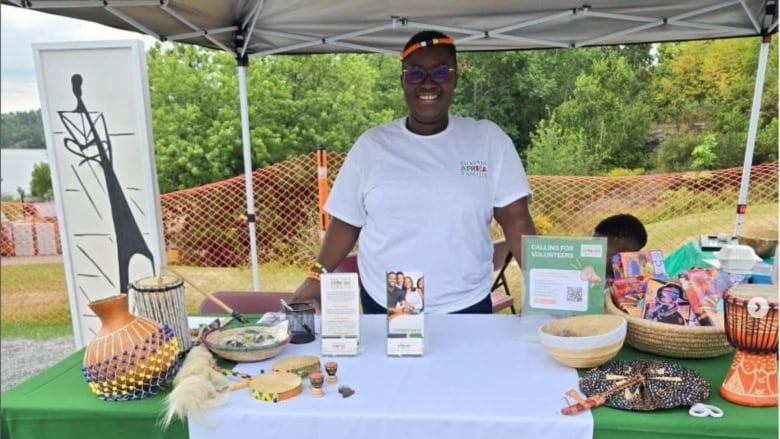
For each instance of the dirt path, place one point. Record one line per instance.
(18, 260)
(24, 358)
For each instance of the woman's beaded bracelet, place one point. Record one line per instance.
(315, 270)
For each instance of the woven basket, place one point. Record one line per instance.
(671, 340)
(215, 342)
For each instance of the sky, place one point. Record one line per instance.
(19, 29)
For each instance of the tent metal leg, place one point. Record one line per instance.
(752, 128)
(250, 197)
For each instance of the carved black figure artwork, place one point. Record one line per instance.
(88, 138)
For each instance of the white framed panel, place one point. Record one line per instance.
(97, 123)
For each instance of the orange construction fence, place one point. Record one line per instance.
(207, 225)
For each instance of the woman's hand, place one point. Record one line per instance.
(308, 291)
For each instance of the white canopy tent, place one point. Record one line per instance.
(265, 27)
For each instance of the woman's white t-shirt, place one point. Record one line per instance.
(425, 203)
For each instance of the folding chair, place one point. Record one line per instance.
(348, 265)
(245, 302)
(501, 259)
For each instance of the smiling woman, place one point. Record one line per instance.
(409, 186)
(429, 55)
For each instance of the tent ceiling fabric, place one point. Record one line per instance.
(261, 27)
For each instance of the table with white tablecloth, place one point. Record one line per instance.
(481, 376)
(492, 387)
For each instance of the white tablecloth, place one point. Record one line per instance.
(483, 376)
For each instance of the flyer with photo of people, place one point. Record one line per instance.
(405, 313)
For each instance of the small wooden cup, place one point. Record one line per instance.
(330, 368)
(316, 379)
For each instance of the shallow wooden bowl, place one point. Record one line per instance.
(585, 340)
(217, 342)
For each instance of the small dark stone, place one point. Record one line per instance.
(346, 391)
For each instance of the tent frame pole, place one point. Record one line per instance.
(243, 62)
(752, 129)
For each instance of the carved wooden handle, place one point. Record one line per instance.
(236, 315)
(598, 399)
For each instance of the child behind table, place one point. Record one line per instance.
(624, 233)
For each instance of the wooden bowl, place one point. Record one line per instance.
(763, 241)
(584, 341)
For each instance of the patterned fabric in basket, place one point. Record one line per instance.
(671, 340)
(664, 385)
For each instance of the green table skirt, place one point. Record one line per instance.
(738, 422)
(57, 403)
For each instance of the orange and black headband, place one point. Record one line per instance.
(433, 42)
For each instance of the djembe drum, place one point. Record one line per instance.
(161, 298)
(751, 319)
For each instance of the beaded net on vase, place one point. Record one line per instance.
(133, 362)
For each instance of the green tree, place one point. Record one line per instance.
(40, 182)
(674, 154)
(703, 155)
(709, 85)
(299, 102)
(500, 87)
(295, 104)
(604, 125)
(195, 119)
(555, 149)
(22, 129)
(518, 89)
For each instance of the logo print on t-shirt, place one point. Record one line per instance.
(474, 168)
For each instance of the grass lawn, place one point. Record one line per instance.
(34, 298)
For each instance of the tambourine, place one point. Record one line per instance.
(300, 365)
(276, 386)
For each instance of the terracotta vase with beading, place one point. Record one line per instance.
(130, 357)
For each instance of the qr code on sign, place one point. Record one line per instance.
(574, 294)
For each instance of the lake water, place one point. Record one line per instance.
(16, 167)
